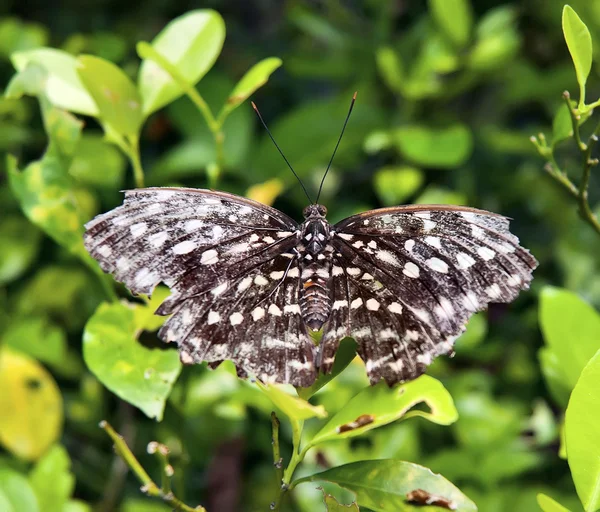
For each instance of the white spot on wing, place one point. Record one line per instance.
(244, 283)
(337, 270)
(293, 272)
(274, 310)
(158, 239)
(213, 318)
(433, 241)
(345, 236)
(486, 253)
(438, 265)
(192, 225)
(356, 303)
(218, 290)
(258, 313)
(411, 270)
(493, 291)
(291, 308)
(387, 257)
(409, 245)
(138, 229)
(260, 281)
(184, 247)
(339, 304)
(395, 307)
(353, 271)
(104, 250)
(236, 318)
(464, 261)
(372, 305)
(209, 257)
(277, 274)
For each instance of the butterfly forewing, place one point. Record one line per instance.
(226, 259)
(414, 276)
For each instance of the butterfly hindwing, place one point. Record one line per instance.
(415, 275)
(253, 320)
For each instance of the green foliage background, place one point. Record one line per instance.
(449, 93)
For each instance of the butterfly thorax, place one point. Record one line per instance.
(315, 262)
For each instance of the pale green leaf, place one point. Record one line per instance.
(63, 87)
(582, 435)
(382, 485)
(379, 405)
(571, 329)
(435, 147)
(115, 95)
(15, 490)
(454, 18)
(391, 68)
(332, 505)
(141, 376)
(52, 480)
(255, 78)
(579, 42)
(292, 406)
(395, 184)
(192, 42)
(19, 245)
(547, 504)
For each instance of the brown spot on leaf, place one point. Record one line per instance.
(423, 497)
(361, 421)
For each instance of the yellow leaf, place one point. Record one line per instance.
(266, 192)
(31, 409)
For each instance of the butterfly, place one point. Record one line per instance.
(249, 284)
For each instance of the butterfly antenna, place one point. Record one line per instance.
(279, 149)
(336, 146)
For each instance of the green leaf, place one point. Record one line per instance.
(395, 184)
(379, 405)
(45, 194)
(579, 42)
(292, 406)
(391, 68)
(52, 480)
(119, 104)
(454, 18)
(17, 492)
(191, 43)
(18, 36)
(562, 127)
(571, 329)
(98, 163)
(344, 355)
(382, 485)
(38, 338)
(19, 246)
(139, 375)
(547, 504)
(34, 401)
(582, 434)
(552, 370)
(498, 39)
(332, 505)
(257, 76)
(63, 87)
(444, 148)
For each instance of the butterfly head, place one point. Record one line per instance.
(314, 210)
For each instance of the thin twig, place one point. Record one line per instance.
(586, 154)
(580, 193)
(148, 485)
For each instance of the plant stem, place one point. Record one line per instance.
(148, 485)
(297, 458)
(580, 193)
(134, 158)
(277, 460)
(215, 125)
(586, 154)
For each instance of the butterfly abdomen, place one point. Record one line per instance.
(315, 263)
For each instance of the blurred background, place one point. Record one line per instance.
(442, 116)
